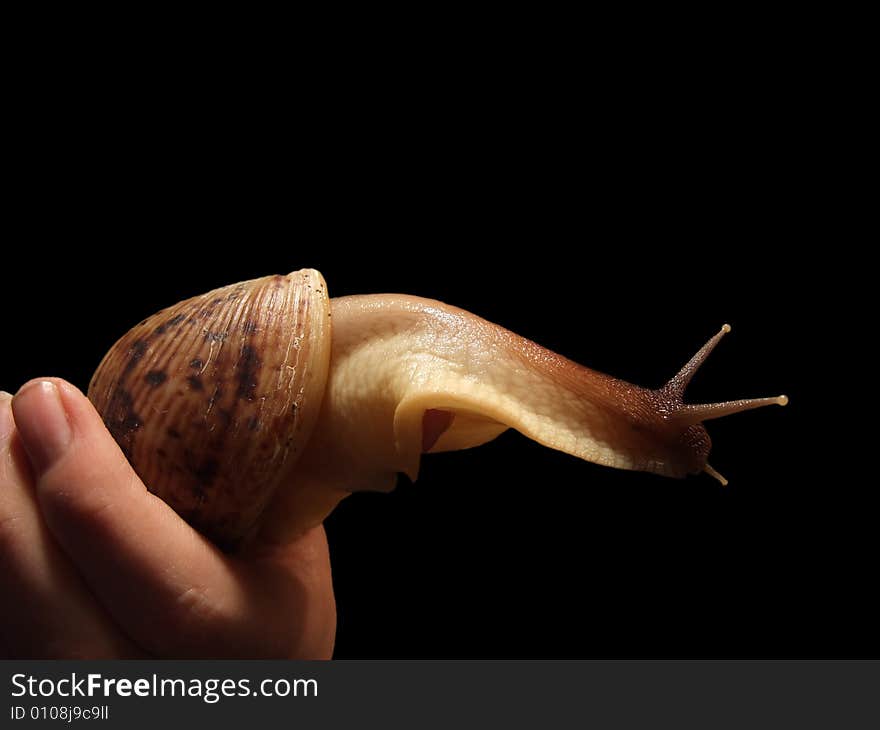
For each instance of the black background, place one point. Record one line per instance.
(617, 214)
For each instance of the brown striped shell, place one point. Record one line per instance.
(213, 399)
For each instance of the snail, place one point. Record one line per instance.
(262, 404)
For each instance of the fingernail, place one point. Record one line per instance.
(42, 423)
(6, 422)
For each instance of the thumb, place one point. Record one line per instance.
(155, 574)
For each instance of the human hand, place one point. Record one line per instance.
(92, 565)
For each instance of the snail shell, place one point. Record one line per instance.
(213, 400)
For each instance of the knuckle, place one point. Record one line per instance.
(11, 528)
(193, 623)
(73, 494)
(69, 502)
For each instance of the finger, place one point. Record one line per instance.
(167, 586)
(47, 611)
(296, 577)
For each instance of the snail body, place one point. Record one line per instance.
(264, 403)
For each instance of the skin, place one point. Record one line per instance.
(101, 568)
(410, 375)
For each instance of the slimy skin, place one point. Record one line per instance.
(410, 375)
